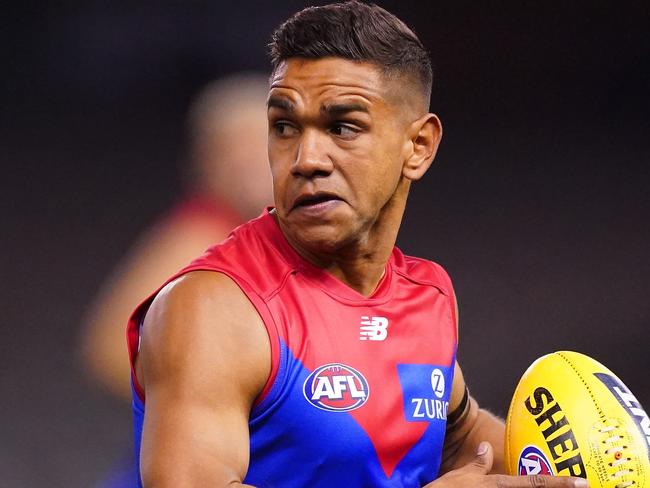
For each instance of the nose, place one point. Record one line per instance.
(312, 159)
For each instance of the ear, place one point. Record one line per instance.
(424, 137)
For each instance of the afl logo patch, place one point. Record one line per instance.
(532, 461)
(336, 387)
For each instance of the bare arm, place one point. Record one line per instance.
(205, 356)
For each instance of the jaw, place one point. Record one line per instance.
(315, 233)
(338, 241)
(345, 235)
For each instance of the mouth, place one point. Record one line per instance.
(315, 200)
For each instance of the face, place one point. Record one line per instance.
(337, 146)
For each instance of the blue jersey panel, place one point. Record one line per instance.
(313, 447)
(138, 421)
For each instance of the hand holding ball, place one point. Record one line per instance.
(571, 416)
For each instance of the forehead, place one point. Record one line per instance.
(306, 81)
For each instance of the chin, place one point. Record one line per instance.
(322, 233)
(321, 238)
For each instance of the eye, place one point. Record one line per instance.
(284, 129)
(344, 131)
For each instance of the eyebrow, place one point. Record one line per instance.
(330, 109)
(281, 103)
(338, 109)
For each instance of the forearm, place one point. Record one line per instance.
(463, 438)
(490, 428)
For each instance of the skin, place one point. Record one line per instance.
(336, 132)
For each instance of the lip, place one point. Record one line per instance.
(309, 199)
(316, 202)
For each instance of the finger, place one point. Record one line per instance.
(482, 462)
(538, 481)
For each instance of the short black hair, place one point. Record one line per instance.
(356, 31)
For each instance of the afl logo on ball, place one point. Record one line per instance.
(533, 461)
(336, 387)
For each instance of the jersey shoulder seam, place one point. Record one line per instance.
(438, 282)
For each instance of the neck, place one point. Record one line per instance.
(361, 263)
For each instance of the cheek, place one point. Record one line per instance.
(279, 178)
(278, 183)
(372, 183)
(386, 161)
(277, 159)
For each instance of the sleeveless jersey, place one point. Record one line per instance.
(359, 386)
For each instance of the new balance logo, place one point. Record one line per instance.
(373, 328)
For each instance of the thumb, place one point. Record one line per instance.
(482, 462)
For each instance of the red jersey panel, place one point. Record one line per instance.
(360, 386)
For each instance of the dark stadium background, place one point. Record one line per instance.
(537, 205)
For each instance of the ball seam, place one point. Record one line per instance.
(586, 385)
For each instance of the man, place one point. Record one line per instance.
(306, 350)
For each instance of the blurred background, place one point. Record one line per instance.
(538, 203)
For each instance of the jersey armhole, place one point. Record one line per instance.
(133, 344)
(451, 295)
(271, 329)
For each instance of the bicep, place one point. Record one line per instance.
(186, 443)
(204, 358)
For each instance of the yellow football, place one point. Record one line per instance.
(571, 416)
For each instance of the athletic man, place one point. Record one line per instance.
(306, 350)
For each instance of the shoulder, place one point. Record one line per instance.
(196, 291)
(202, 321)
(428, 273)
(201, 302)
(423, 272)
